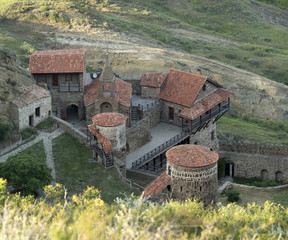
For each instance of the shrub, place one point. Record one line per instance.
(45, 124)
(28, 132)
(5, 130)
(221, 167)
(232, 195)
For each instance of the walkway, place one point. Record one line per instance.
(47, 140)
(160, 134)
(142, 101)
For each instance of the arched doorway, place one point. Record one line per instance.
(72, 113)
(264, 174)
(105, 107)
(279, 176)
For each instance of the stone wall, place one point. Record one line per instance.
(153, 113)
(29, 111)
(149, 92)
(188, 182)
(257, 165)
(138, 135)
(67, 127)
(206, 136)
(254, 148)
(136, 88)
(209, 88)
(165, 115)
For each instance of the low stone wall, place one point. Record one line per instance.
(241, 187)
(254, 148)
(67, 127)
(138, 135)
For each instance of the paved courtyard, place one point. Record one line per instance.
(160, 134)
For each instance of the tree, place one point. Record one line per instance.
(5, 129)
(26, 173)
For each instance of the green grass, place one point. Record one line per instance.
(45, 124)
(233, 128)
(36, 150)
(256, 182)
(28, 132)
(75, 172)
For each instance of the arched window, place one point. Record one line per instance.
(264, 174)
(169, 171)
(279, 176)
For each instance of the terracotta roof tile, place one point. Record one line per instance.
(156, 186)
(188, 155)
(123, 92)
(58, 61)
(109, 119)
(182, 88)
(30, 94)
(91, 92)
(105, 142)
(153, 79)
(205, 104)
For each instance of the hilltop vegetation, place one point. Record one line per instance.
(251, 35)
(86, 216)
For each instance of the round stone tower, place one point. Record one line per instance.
(112, 125)
(193, 172)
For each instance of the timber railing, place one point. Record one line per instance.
(195, 126)
(147, 106)
(69, 87)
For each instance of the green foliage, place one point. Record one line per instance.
(48, 123)
(26, 173)
(28, 132)
(232, 195)
(9, 81)
(280, 3)
(5, 130)
(221, 167)
(257, 182)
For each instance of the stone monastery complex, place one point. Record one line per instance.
(162, 124)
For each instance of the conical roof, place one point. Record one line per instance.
(107, 74)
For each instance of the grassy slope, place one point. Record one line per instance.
(258, 46)
(75, 172)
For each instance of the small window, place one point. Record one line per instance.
(49, 113)
(212, 135)
(55, 80)
(37, 112)
(171, 113)
(200, 189)
(204, 87)
(181, 188)
(68, 77)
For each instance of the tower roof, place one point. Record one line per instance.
(107, 74)
(109, 119)
(188, 155)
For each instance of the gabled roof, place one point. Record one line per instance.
(29, 94)
(105, 142)
(156, 186)
(91, 92)
(205, 104)
(182, 88)
(123, 92)
(58, 61)
(153, 79)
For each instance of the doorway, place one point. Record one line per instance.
(72, 113)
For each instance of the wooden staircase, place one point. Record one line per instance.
(107, 159)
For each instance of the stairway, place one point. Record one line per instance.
(107, 159)
(135, 113)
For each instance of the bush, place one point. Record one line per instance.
(45, 124)
(232, 195)
(5, 130)
(221, 167)
(28, 132)
(257, 182)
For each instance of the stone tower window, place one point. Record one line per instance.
(169, 171)
(181, 188)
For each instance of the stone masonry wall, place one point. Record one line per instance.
(254, 165)
(138, 135)
(165, 113)
(153, 113)
(149, 92)
(29, 110)
(188, 182)
(206, 137)
(136, 88)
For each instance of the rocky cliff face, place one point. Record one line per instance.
(12, 76)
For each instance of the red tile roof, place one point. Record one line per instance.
(153, 79)
(58, 61)
(29, 94)
(182, 88)
(156, 186)
(188, 155)
(205, 104)
(91, 92)
(123, 92)
(105, 142)
(109, 119)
